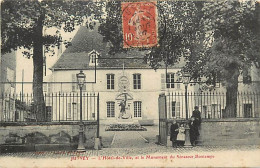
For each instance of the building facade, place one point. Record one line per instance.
(7, 86)
(126, 77)
(123, 76)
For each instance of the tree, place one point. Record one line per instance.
(232, 47)
(22, 26)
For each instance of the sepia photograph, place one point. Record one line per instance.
(137, 83)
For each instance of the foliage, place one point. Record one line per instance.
(23, 24)
(178, 30)
(232, 32)
(20, 19)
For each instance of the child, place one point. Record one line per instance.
(181, 135)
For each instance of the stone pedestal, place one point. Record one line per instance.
(125, 121)
(187, 143)
(157, 139)
(97, 145)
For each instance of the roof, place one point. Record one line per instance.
(75, 57)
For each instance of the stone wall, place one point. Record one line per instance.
(230, 132)
(48, 136)
(226, 132)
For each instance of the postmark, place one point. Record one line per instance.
(139, 24)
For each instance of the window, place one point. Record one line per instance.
(47, 87)
(110, 109)
(137, 109)
(175, 109)
(248, 110)
(215, 111)
(75, 85)
(110, 81)
(246, 76)
(93, 55)
(69, 111)
(170, 80)
(137, 81)
(74, 109)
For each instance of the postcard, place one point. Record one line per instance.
(129, 83)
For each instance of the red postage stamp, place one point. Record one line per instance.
(139, 24)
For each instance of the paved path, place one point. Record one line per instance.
(129, 139)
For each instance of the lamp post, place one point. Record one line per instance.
(81, 77)
(186, 80)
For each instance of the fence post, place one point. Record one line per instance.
(98, 116)
(97, 144)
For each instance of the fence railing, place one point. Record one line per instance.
(59, 107)
(212, 104)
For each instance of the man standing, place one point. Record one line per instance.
(194, 125)
(196, 115)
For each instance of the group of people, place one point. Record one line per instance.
(178, 129)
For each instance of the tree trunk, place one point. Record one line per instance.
(38, 98)
(231, 92)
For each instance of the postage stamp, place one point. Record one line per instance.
(139, 24)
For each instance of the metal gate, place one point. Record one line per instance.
(163, 126)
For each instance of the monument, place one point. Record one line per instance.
(124, 99)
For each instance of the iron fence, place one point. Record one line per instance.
(59, 107)
(212, 104)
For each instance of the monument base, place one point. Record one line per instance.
(125, 121)
(124, 126)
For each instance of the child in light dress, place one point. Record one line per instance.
(181, 135)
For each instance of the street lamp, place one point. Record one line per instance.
(186, 80)
(81, 77)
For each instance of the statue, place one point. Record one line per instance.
(122, 109)
(123, 114)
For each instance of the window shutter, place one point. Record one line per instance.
(49, 88)
(163, 81)
(44, 88)
(74, 85)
